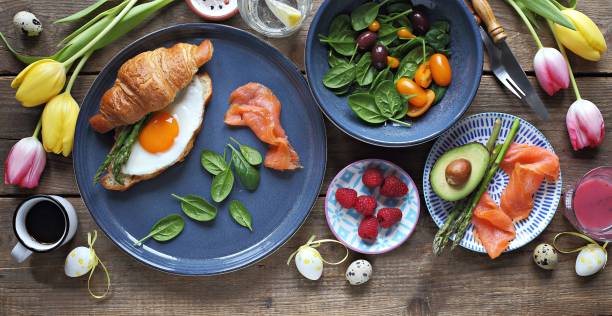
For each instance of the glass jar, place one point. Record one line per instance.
(259, 17)
(588, 204)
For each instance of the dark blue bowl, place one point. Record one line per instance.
(466, 62)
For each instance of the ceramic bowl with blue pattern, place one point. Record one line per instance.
(477, 128)
(345, 222)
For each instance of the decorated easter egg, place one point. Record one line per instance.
(308, 262)
(27, 23)
(546, 257)
(359, 272)
(79, 261)
(590, 260)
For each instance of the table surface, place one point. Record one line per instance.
(409, 280)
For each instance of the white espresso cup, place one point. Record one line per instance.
(28, 225)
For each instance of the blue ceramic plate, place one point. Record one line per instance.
(279, 206)
(477, 128)
(466, 63)
(344, 222)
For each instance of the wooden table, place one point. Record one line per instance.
(407, 281)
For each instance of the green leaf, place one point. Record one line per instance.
(387, 34)
(165, 229)
(212, 162)
(438, 35)
(387, 99)
(83, 13)
(248, 175)
(547, 10)
(250, 154)
(339, 76)
(340, 23)
(197, 208)
(404, 48)
(365, 14)
(334, 60)
(222, 185)
(344, 42)
(409, 64)
(240, 214)
(385, 74)
(364, 106)
(107, 15)
(26, 59)
(439, 91)
(364, 71)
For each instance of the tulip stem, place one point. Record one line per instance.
(37, 129)
(526, 21)
(569, 65)
(100, 35)
(76, 70)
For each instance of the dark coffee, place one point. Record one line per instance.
(45, 222)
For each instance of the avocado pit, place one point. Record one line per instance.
(458, 172)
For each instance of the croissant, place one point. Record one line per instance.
(149, 82)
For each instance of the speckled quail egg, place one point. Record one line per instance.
(359, 272)
(545, 256)
(27, 23)
(590, 260)
(79, 261)
(308, 261)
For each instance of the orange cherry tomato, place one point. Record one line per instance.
(440, 70)
(404, 32)
(423, 75)
(392, 62)
(406, 86)
(414, 111)
(374, 26)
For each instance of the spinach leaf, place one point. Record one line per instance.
(409, 64)
(387, 34)
(222, 185)
(364, 106)
(250, 154)
(387, 99)
(340, 23)
(439, 91)
(248, 175)
(365, 14)
(341, 91)
(397, 6)
(240, 214)
(364, 71)
(385, 74)
(165, 229)
(343, 42)
(401, 50)
(212, 162)
(339, 76)
(197, 208)
(334, 60)
(438, 36)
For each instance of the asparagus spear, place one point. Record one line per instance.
(111, 155)
(466, 217)
(494, 134)
(123, 154)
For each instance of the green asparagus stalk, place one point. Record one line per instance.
(466, 217)
(124, 152)
(111, 156)
(494, 135)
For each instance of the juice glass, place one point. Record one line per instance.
(259, 17)
(588, 205)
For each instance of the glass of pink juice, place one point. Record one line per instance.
(588, 205)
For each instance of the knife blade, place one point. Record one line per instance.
(503, 63)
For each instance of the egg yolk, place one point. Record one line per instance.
(159, 133)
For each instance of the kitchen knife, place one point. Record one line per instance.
(503, 63)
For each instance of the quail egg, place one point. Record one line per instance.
(590, 260)
(359, 272)
(27, 23)
(79, 261)
(309, 264)
(546, 257)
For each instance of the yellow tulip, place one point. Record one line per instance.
(39, 82)
(587, 41)
(58, 123)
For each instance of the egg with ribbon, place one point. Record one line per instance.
(309, 263)
(591, 259)
(79, 261)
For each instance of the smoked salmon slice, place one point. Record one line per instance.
(255, 106)
(527, 166)
(492, 226)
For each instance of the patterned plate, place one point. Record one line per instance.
(477, 128)
(344, 223)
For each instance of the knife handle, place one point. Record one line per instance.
(485, 12)
(469, 6)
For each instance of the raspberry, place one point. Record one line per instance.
(387, 217)
(372, 178)
(393, 187)
(368, 228)
(365, 205)
(346, 197)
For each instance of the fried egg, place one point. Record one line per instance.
(166, 137)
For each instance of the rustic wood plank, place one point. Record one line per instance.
(408, 281)
(48, 11)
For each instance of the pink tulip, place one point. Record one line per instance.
(25, 163)
(551, 70)
(585, 124)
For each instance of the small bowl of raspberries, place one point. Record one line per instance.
(372, 206)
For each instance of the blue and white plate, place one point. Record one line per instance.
(345, 222)
(477, 128)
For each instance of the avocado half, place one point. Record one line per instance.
(476, 154)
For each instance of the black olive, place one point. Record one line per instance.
(420, 23)
(379, 57)
(366, 40)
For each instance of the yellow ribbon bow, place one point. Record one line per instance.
(90, 241)
(314, 244)
(587, 238)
